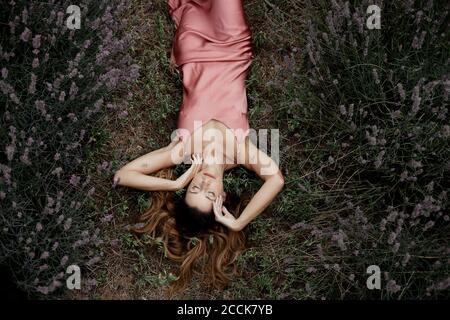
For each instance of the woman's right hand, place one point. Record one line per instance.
(186, 177)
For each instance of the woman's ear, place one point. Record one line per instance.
(224, 195)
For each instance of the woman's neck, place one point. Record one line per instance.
(216, 169)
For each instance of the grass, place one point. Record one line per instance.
(154, 107)
(362, 186)
(328, 191)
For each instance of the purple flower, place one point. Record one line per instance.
(392, 237)
(43, 290)
(392, 287)
(375, 75)
(418, 41)
(62, 96)
(416, 98)
(396, 247)
(64, 260)
(37, 41)
(60, 18)
(311, 270)
(93, 261)
(35, 63)
(91, 191)
(9, 150)
(445, 131)
(92, 282)
(406, 258)
(428, 225)
(123, 114)
(25, 36)
(40, 105)
(107, 218)
(73, 73)
(74, 180)
(57, 171)
(32, 87)
(73, 90)
(14, 98)
(43, 267)
(68, 224)
(401, 91)
(24, 15)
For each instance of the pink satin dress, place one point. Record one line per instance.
(212, 47)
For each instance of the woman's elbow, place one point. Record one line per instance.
(280, 180)
(119, 177)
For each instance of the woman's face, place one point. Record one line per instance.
(203, 190)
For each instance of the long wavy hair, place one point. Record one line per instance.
(193, 238)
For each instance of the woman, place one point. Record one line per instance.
(212, 48)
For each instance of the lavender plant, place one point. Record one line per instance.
(378, 101)
(55, 84)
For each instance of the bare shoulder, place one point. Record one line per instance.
(176, 148)
(255, 159)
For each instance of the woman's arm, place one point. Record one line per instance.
(135, 174)
(268, 171)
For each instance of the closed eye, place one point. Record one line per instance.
(195, 189)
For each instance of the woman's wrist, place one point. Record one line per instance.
(237, 225)
(175, 185)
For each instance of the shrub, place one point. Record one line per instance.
(376, 102)
(55, 84)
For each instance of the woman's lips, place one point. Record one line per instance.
(209, 175)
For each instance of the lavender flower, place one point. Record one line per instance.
(418, 41)
(32, 87)
(416, 98)
(26, 34)
(401, 91)
(62, 96)
(67, 224)
(43, 290)
(37, 41)
(64, 261)
(375, 76)
(392, 287)
(35, 63)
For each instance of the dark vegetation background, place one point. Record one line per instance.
(364, 146)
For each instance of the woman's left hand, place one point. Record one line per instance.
(186, 177)
(223, 216)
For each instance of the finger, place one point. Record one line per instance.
(227, 213)
(219, 210)
(217, 215)
(217, 206)
(225, 210)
